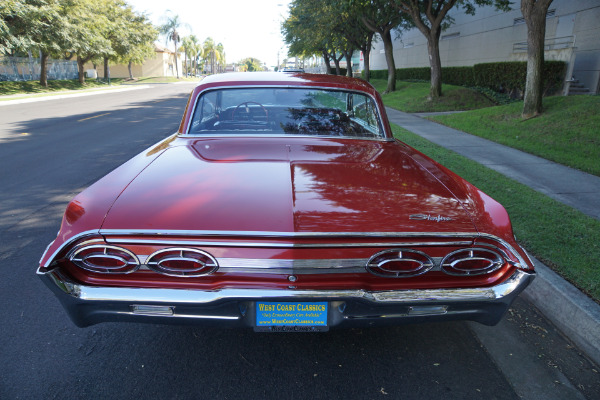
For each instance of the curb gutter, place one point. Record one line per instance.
(575, 314)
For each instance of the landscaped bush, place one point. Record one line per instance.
(410, 74)
(502, 77)
(460, 76)
(509, 77)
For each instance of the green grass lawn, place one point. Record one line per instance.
(568, 131)
(413, 97)
(563, 238)
(33, 87)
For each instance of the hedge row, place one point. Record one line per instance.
(503, 77)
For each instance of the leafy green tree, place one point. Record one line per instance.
(250, 64)
(34, 25)
(430, 17)
(9, 11)
(534, 12)
(89, 28)
(355, 31)
(190, 46)
(380, 18)
(313, 27)
(137, 41)
(213, 54)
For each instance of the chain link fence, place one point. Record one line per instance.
(28, 69)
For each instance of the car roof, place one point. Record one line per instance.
(285, 79)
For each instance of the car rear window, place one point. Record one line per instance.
(286, 111)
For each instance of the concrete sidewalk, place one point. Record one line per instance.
(570, 310)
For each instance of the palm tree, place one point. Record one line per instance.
(213, 53)
(169, 29)
(191, 47)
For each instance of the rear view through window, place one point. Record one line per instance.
(279, 111)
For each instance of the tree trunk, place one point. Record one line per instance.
(129, 68)
(535, 17)
(80, 63)
(185, 66)
(43, 69)
(175, 57)
(327, 62)
(336, 61)
(367, 57)
(106, 70)
(389, 58)
(348, 56)
(433, 47)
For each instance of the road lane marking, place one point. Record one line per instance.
(95, 116)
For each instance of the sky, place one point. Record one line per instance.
(245, 28)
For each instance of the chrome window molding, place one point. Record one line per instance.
(239, 134)
(384, 137)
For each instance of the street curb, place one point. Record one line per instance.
(70, 94)
(575, 314)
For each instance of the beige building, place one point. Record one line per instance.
(572, 35)
(162, 64)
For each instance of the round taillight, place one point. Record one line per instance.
(182, 262)
(474, 261)
(399, 263)
(105, 259)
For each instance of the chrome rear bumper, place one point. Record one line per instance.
(88, 305)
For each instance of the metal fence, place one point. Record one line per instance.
(28, 69)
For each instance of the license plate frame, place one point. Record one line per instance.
(287, 316)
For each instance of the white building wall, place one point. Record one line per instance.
(493, 36)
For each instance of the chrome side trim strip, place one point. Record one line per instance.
(296, 267)
(299, 264)
(273, 234)
(156, 296)
(209, 243)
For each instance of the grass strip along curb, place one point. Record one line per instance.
(563, 238)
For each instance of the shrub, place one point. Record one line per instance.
(502, 77)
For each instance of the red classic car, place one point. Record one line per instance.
(284, 203)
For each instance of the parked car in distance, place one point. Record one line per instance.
(284, 203)
(293, 70)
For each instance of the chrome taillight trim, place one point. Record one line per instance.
(399, 255)
(249, 240)
(82, 263)
(212, 265)
(449, 265)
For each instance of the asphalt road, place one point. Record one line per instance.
(51, 150)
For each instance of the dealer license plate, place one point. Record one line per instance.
(291, 317)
